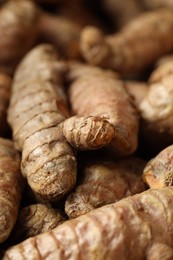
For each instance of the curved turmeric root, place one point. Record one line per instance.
(11, 187)
(136, 47)
(110, 232)
(37, 107)
(98, 96)
(104, 182)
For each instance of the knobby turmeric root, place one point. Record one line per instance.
(98, 99)
(37, 107)
(139, 44)
(110, 232)
(104, 182)
(18, 32)
(5, 90)
(35, 219)
(11, 187)
(158, 172)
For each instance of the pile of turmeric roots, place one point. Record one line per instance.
(86, 130)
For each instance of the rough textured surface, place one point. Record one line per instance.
(5, 90)
(139, 44)
(98, 93)
(37, 107)
(34, 220)
(62, 33)
(156, 109)
(11, 187)
(104, 182)
(18, 32)
(158, 172)
(110, 232)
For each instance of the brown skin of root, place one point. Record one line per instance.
(88, 133)
(48, 161)
(34, 220)
(18, 30)
(137, 90)
(110, 232)
(11, 187)
(100, 94)
(104, 182)
(135, 48)
(158, 172)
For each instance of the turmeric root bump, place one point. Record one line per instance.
(18, 32)
(35, 219)
(104, 182)
(110, 232)
(37, 107)
(158, 172)
(100, 95)
(5, 90)
(11, 186)
(63, 33)
(138, 45)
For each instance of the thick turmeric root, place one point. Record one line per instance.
(37, 107)
(11, 187)
(104, 182)
(136, 47)
(98, 95)
(63, 33)
(35, 219)
(5, 90)
(158, 172)
(110, 232)
(18, 32)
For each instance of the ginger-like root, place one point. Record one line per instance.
(137, 46)
(5, 90)
(104, 182)
(18, 32)
(34, 220)
(153, 4)
(37, 107)
(128, 229)
(63, 33)
(11, 187)
(156, 109)
(98, 95)
(158, 172)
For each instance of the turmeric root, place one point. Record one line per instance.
(62, 33)
(110, 232)
(158, 172)
(104, 182)
(97, 94)
(35, 219)
(156, 109)
(5, 90)
(37, 107)
(137, 46)
(11, 186)
(18, 32)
